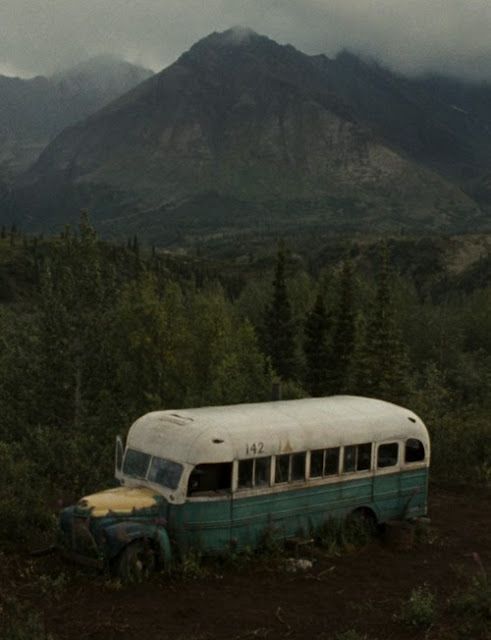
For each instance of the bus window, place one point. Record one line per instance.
(317, 463)
(136, 463)
(415, 451)
(364, 458)
(332, 462)
(357, 458)
(210, 477)
(165, 472)
(246, 469)
(387, 455)
(298, 466)
(281, 468)
(349, 459)
(262, 471)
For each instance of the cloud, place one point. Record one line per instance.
(450, 36)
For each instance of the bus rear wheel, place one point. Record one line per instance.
(137, 562)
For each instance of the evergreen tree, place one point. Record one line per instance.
(279, 326)
(343, 344)
(316, 348)
(385, 357)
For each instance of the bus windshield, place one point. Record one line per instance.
(165, 472)
(142, 465)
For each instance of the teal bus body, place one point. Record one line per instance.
(220, 479)
(241, 523)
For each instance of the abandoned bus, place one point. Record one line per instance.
(217, 478)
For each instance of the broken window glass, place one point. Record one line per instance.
(207, 478)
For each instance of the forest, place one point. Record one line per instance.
(94, 334)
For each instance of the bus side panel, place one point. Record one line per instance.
(414, 492)
(386, 495)
(296, 511)
(215, 526)
(401, 495)
(201, 525)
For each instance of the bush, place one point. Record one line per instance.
(350, 634)
(24, 503)
(420, 610)
(335, 535)
(473, 605)
(18, 621)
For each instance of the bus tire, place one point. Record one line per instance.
(364, 520)
(136, 562)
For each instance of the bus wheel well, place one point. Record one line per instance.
(363, 516)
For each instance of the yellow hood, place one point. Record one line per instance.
(120, 500)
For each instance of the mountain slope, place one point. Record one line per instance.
(442, 122)
(243, 131)
(33, 112)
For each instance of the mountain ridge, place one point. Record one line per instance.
(33, 111)
(261, 124)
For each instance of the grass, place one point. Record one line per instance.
(19, 621)
(472, 605)
(420, 609)
(337, 536)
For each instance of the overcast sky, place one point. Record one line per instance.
(453, 36)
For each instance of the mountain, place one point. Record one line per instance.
(243, 133)
(33, 112)
(443, 123)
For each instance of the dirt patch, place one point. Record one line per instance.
(361, 589)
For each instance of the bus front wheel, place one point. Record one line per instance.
(137, 562)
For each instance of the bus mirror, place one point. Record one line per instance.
(118, 458)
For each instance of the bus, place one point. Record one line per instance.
(216, 479)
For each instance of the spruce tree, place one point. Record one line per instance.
(343, 342)
(279, 325)
(385, 359)
(316, 348)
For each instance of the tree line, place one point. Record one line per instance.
(95, 335)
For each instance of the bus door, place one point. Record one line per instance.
(209, 519)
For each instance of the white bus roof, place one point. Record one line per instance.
(222, 434)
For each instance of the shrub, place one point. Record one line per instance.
(350, 634)
(24, 500)
(473, 605)
(18, 621)
(420, 609)
(336, 535)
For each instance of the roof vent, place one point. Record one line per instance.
(217, 441)
(412, 419)
(175, 418)
(176, 415)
